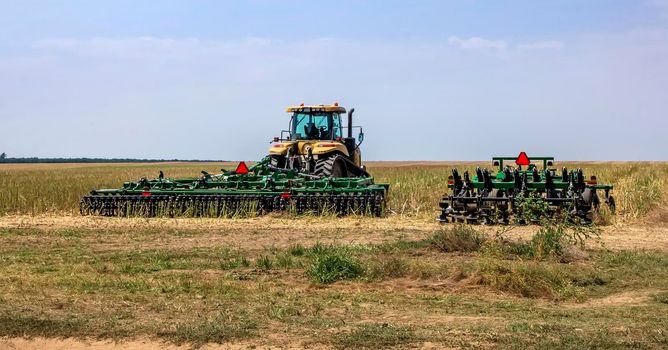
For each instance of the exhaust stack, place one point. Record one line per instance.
(350, 122)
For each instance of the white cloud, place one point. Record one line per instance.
(488, 45)
(542, 45)
(477, 43)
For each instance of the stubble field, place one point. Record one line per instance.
(403, 280)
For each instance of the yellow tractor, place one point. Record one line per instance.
(315, 143)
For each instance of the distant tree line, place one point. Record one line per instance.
(5, 159)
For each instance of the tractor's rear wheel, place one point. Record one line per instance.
(333, 166)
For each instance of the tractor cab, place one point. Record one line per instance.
(315, 143)
(316, 123)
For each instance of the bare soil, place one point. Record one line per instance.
(396, 296)
(136, 344)
(282, 232)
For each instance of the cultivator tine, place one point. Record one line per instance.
(231, 205)
(507, 175)
(478, 173)
(518, 180)
(525, 183)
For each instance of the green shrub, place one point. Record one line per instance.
(320, 248)
(548, 242)
(458, 238)
(553, 236)
(297, 250)
(330, 266)
(264, 263)
(285, 261)
(234, 263)
(531, 208)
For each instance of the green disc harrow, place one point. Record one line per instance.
(259, 189)
(520, 195)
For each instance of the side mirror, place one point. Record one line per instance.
(360, 137)
(276, 139)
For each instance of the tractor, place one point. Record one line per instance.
(315, 143)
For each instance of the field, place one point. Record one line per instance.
(402, 281)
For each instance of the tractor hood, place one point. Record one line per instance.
(301, 147)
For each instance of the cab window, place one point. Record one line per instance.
(316, 126)
(336, 125)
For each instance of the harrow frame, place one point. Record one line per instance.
(259, 189)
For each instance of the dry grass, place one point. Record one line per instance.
(86, 283)
(57, 188)
(416, 188)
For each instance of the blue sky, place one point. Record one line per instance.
(430, 80)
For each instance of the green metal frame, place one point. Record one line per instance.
(501, 159)
(261, 179)
(498, 182)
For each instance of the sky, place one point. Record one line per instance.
(429, 80)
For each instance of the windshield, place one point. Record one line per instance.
(316, 126)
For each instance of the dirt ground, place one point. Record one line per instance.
(266, 231)
(141, 344)
(138, 344)
(282, 232)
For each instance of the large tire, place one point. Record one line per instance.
(333, 166)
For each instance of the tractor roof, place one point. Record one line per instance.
(316, 108)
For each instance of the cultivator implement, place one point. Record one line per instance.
(257, 190)
(520, 195)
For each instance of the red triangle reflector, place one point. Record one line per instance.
(522, 159)
(242, 169)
